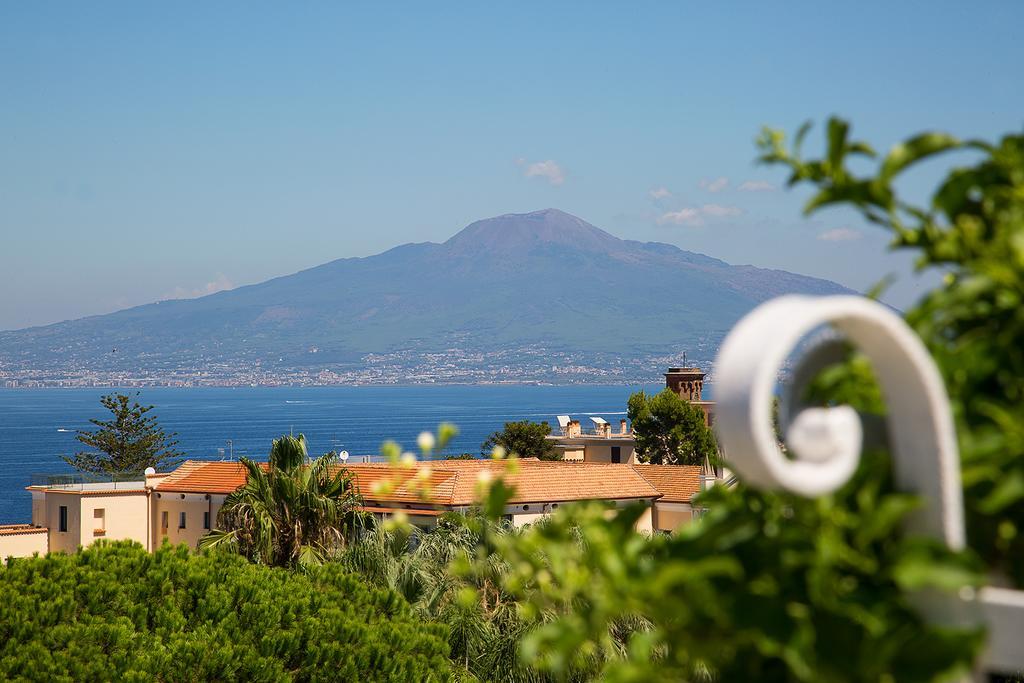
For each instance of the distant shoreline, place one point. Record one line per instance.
(525, 383)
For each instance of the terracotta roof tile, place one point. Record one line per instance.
(540, 481)
(407, 485)
(676, 483)
(197, 476)
(16, 529)
(454, 482)
(449, 483)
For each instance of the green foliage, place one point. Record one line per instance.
(765, 587)
(973, 325)
(294, 512)
(452, 574)
(127, 444)
(418, 565)
(669, 430)
(116, 612)
(776, 587)
(525, 439)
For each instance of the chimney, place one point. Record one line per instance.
(622, 427)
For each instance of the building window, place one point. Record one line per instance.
(616, 453)
(99, 519)
(181, 520)
(62, 523)
(206, 519)
(163, 521)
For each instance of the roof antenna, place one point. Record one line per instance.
(684, 359)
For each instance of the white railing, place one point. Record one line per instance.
(824, 444)
(591, 432)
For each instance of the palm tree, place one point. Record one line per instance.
(483, 618)
(293, 511)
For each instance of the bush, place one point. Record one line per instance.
(116, 612)
(776, 587)
(972, 231)
(525, 439)
(670, 430)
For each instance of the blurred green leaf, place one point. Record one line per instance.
(913, 150)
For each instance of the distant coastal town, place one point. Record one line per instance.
(522, 365)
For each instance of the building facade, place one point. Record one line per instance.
(182, 506)
(601, 443)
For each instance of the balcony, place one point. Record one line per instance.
(81, 481)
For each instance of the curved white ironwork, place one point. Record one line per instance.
(823, 445)
(826, 442)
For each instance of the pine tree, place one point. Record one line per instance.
(114, 612)
(670, 430)
(126, 444)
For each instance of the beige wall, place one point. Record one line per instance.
(527, 518)
(537, 512)
(193, 505)
(596, 448)
(422, 521)
(38, 508)
(602, 452)
(644, 523)
(23, 545)
(575, 453)
(66, 541)
(671, 516)
(124, 518)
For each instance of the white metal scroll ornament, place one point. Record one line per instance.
(824, 444)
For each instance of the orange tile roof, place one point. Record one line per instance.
(197, 476)
(455, 482)
(15, 529)
(448, 483)
(539, 481)
(676, 483)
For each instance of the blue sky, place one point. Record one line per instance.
(150, 151)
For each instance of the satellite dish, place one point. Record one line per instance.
(150, 471)
(344, 456)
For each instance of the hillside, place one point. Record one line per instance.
(543, 280)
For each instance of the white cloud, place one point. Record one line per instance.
(756, 186)
(840, 235)
(660, 193)
(695, 215)
(219, 284)
(549, 169)
(720, 211)
(713, 185)
(681, 217)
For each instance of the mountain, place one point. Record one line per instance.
(544, 285)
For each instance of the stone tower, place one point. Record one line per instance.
(686, 382)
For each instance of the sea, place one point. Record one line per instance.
(38, 426)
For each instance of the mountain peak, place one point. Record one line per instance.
(517, 231)
(518, 293)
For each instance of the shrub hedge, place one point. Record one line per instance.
(116, 612)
